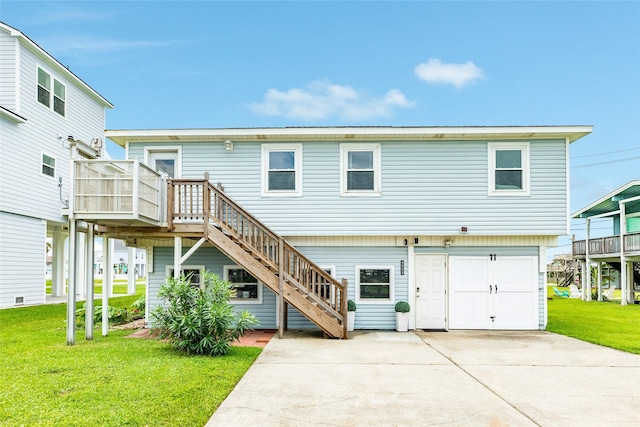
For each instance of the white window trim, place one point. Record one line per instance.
(152, 149)
(53, 79)
(42, 154)
(242, 302)
(377, 170)
(297, 149)
(168, 269)
(392, 293)
(491, 154)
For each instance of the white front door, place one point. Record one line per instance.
(431, 299)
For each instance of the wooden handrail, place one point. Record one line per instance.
(199, 201)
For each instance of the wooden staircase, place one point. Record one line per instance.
(197, 204)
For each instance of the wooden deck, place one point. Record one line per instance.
(608, 247)
(197, 209)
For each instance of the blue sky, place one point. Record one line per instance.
(170, 64)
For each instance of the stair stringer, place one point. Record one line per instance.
(300, 300)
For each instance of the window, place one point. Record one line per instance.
(55, 100)
(374, 284)
(164, 160)
(48, 165)
(508, 169)
(282, 170)
(360, 166)
(194, 273)
(247, 287)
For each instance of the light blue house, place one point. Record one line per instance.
(454, 220)
(46, 112)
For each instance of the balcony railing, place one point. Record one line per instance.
(607, 245)
(112, 190)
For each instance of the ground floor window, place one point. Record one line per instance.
(374, 284)
(247, 288)
(193, 273)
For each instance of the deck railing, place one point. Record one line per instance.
(117, 189)
(607, 245)
(197, 201)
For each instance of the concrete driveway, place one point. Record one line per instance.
(457, 378)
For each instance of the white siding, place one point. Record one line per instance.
(25, 190)
(8, 55)
(428, 188)
(22, 259)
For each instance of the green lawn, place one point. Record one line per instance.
(110, 381)
(605, 323)
(119, 286)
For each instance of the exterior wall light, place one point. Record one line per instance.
(228, 145)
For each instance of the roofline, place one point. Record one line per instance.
(61, 68)
(605, 198)
(572, 133)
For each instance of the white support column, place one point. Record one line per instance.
(632, 294)
(89, 308)
(583, 282)
(599, 281)
(411, 278)
(624, 281)
(58, 264)
(586, 272)
(107, 276)
(131, 271)
(73, 283)
(81, 250)
(177, 256)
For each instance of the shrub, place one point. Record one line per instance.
(117, 316)
(351, 305)
(199, 320)
(402, 307)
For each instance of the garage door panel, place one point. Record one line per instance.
(474, 302)
(467, 312)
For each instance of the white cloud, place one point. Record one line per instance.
(323, 100)
(459, 75)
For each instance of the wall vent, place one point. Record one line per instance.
(19, 300)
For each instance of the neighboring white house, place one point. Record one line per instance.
(46, 112)
(454, 220)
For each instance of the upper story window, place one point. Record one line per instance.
(282, 170)
(48, 165)
(360, 169)
(51, 92)
(508, 169)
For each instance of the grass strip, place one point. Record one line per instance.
(605, 323)
(110, 381)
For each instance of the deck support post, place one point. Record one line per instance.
(586, 271)
(177, 256)
(89, 285)
(624, 282)
(281, 317)
(131, 271)
(73, 282)
(58, 264)
(107, 244)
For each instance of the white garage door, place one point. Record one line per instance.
(493, 292)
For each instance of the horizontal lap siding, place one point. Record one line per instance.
(8, 50)
(23, 144)
(22, 262)
(428, 188)
(213, 260)
(345, 260)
